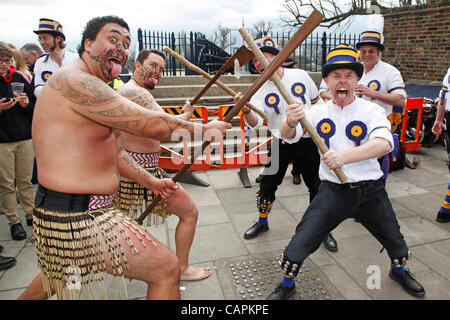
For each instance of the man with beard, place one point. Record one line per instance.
(356, 133)
(77, 120)
(131, 197)
(51, 37)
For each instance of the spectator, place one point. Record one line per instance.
(51, 38)
(19, 64)
(6, 262)
(30, 53)
(16, 147)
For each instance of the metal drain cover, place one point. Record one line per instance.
(256, 278)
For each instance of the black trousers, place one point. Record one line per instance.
(333, 204)
(304, 152)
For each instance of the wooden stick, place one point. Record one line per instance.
(210, 77)
(290, 100)
(302, 33)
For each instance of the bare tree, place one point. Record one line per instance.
(261, 28)
(336, 11)
(222, 37)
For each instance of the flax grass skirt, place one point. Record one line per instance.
(132, 199)
(72, 248)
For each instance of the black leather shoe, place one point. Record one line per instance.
(6, 262)
(281, 292)
(296, 179)
(443, 217)
(254, 230)
(17, 232)
(30, 222)
(258, 179)
(330, 243)
(408, 282)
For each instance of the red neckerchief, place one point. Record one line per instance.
(9, 74)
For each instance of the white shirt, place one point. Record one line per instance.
(384, 78)
(444, 91)
(45, 66)
(345, 128)
(269, 100)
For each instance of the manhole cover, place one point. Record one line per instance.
(255, 279)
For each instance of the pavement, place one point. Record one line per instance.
(358, 271)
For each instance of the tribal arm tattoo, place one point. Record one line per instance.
(97, 101)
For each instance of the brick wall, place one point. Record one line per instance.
(417, 42)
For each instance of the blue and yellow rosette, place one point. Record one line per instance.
(46, 75)
(298, 89)
(326, 129)
(356, 131)
(272, 100)
(374, 85)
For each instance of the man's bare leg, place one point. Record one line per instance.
(35, 290)
(154, 263)
(181, 204)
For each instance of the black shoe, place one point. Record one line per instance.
(409, 284)
(258, 179)
(330, 243)
(254, 230)
(30, 222)
(6, 262)
(281, 292)
(297, 179)
(17, 232)
(443, 217)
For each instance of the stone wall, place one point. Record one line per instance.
(417, 42)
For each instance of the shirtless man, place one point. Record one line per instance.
(78, 234)
(131, 196)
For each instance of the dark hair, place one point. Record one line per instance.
(143, 54)
(93, 27)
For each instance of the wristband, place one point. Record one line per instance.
(287, 122)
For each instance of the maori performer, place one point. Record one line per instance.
(356, 132)
(79, 235)
(131, 196)
(269, 100)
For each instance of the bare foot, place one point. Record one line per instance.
(195, 273)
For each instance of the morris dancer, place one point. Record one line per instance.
(304, 152)
(356, 132)
(131, 196)
(78, 234)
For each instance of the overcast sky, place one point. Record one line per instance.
(21, 17)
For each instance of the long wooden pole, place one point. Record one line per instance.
(300, 35)
(210, 77)
(288, 97)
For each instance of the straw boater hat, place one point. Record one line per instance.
(371, 38)
(342, 58)
(50, 26)
(267, 44)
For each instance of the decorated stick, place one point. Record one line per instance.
(210, 77)
(290, 99)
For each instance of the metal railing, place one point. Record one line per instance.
(194, 46)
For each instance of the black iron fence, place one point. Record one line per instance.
(310, 55)
(193, 46)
